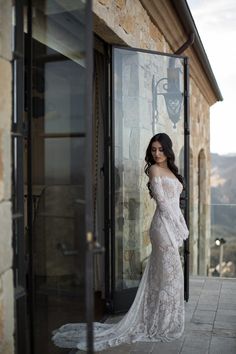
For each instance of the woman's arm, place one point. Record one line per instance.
(175, 220)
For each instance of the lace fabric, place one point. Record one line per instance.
(157, 313)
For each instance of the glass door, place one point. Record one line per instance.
(148, 97)
(59, 162)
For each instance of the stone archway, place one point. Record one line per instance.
(202, 222)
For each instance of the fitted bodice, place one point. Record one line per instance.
(166, 192)
(166, 188)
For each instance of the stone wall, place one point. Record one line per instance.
(127, 22)
(200, 191)
(6, 277)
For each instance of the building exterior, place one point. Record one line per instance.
(72, 149)
(6, 277)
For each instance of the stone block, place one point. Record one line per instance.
(203, 327)
(104, 2)
(144, 44)
(211, 307)
(5, 94)
(225, 325)
(1, 166)
(5, 126)
(6, 313)
(168, 348)
(146, 238)
(221, 332)
(127, 22)
(226, 306)
(134, 144)
(221, 345)
(131, 111)
(5, 165)
(229, 298)
(207, 299)
(6, 236)
(126, 147)
(226, 317)
(229, 284)
(204, 316)
(120, 4)
(1, 321)
(153, 32)
(5, 29)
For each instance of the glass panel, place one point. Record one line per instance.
(59, 65)
(58, 166)
(148, 99)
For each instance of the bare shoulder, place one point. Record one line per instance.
(154, 170)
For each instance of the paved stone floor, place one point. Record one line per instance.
(210, 322)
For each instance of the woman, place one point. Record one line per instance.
(157, 313)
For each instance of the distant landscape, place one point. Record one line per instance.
(223, 211)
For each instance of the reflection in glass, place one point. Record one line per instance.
(139, 113)
(58, 166)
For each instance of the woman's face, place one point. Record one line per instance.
(157, 153)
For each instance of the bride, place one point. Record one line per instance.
(157, 313)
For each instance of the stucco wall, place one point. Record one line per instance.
(6, 278)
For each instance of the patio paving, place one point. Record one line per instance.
(210, 322)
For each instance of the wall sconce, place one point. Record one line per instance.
(169, 87)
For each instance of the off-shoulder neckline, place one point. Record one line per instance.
(168, 177)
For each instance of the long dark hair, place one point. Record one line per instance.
(166, 144)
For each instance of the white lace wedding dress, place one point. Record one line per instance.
(157, 313)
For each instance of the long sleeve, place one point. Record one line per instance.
(172, 215)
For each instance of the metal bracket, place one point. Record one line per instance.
(187, 44)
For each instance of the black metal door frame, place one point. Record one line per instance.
(104, 87)
(22, 316)
(91, 245)
(187, 174)
(112, 296)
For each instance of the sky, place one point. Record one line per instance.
(216, 24)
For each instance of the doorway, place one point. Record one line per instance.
(57, 187)
(58, 177)
(58, 171)
(149, 96)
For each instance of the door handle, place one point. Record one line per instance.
(97, 248)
